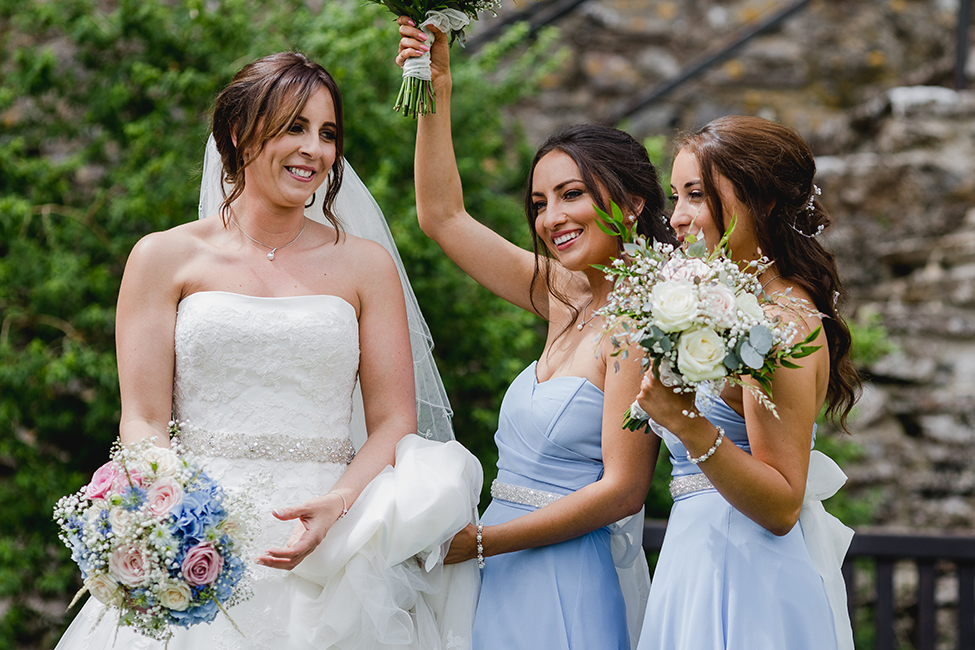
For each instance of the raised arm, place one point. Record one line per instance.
(145, 338)
(628, 463)
(494, 262)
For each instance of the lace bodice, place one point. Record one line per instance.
(263, 389)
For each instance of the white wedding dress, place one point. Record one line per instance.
(266, 387)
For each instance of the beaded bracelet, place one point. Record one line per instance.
(710, 452)
(480, 546)
(345, 507)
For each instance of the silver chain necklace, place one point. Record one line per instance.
(270, 255)
(585, 320)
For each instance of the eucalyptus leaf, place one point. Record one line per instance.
(760, 338)
(750, 356)
(732, 361)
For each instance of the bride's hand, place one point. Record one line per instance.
(413, 44)
(315, 517)
(463, 546)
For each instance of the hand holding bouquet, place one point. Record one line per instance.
(450, 17)
(698, 316)
(155, 538)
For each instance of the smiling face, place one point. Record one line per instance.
(291, 166)
(692, 213)
(564, 216)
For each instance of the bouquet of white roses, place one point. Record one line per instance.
(156, 538)
(450, 17)
(698, 316)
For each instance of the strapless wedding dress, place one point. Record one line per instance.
(264, 387)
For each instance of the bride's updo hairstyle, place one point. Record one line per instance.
(771, 170)
(613, 166)
(261, 103)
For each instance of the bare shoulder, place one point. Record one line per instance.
(367, 258)
(793, 304)
(160, 256)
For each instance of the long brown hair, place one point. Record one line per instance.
(771, 169)
(262, 102)
(611, 162)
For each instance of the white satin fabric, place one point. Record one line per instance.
(827, 539)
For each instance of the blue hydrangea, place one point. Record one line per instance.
(133, 497)
(202, 613)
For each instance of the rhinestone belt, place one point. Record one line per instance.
(523, 495)
(681, 485)
(268, 447)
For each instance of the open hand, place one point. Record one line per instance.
(315, 517)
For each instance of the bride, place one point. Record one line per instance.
(253, 327)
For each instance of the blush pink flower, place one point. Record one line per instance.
(125, 479)
(163, 495)
(102, 481)
(129, 565)
(202, 565)
(685, 269)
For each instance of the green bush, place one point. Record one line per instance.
(103, 120)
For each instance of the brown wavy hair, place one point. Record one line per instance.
(771, 169)
(610, 161)
(262, 102)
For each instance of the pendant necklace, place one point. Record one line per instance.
(270, 255)
(585, 320)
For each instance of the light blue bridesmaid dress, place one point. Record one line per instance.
(567, 595)
(725, 583)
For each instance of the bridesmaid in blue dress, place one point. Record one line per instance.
(560, 568)
(750, 559)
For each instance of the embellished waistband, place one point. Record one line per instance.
(267, 447)
(681, 485)
(523, 495)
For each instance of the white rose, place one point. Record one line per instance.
(721, 305)
(674, 305)
(166, 462)
(103, 588)
(119, 518)
(748, 303)
(685, 269)
(175, 596)
(700, 355)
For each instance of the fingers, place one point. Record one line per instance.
(291, 556)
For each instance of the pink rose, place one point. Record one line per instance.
(202, 565)
(130, 565)
(163, 495)
(685, 269)
(102, 481)
(124, 480)
(720, 304)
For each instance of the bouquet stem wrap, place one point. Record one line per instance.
(416, 93)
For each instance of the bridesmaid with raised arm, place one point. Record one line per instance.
(560, 544)
(750, 558)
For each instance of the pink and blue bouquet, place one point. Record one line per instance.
(157, 539)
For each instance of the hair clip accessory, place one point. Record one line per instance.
(810, 209)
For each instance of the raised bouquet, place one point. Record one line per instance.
(157, 539)
(698, 316)
(450, 17)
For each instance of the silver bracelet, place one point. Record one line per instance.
(710, 452)
(480, 546)
(345, 507)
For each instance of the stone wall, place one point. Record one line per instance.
(865, 83)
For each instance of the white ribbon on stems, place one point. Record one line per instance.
(447, 21)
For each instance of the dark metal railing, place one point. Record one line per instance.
(708, 61)
(536, 14)
(930, 553)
